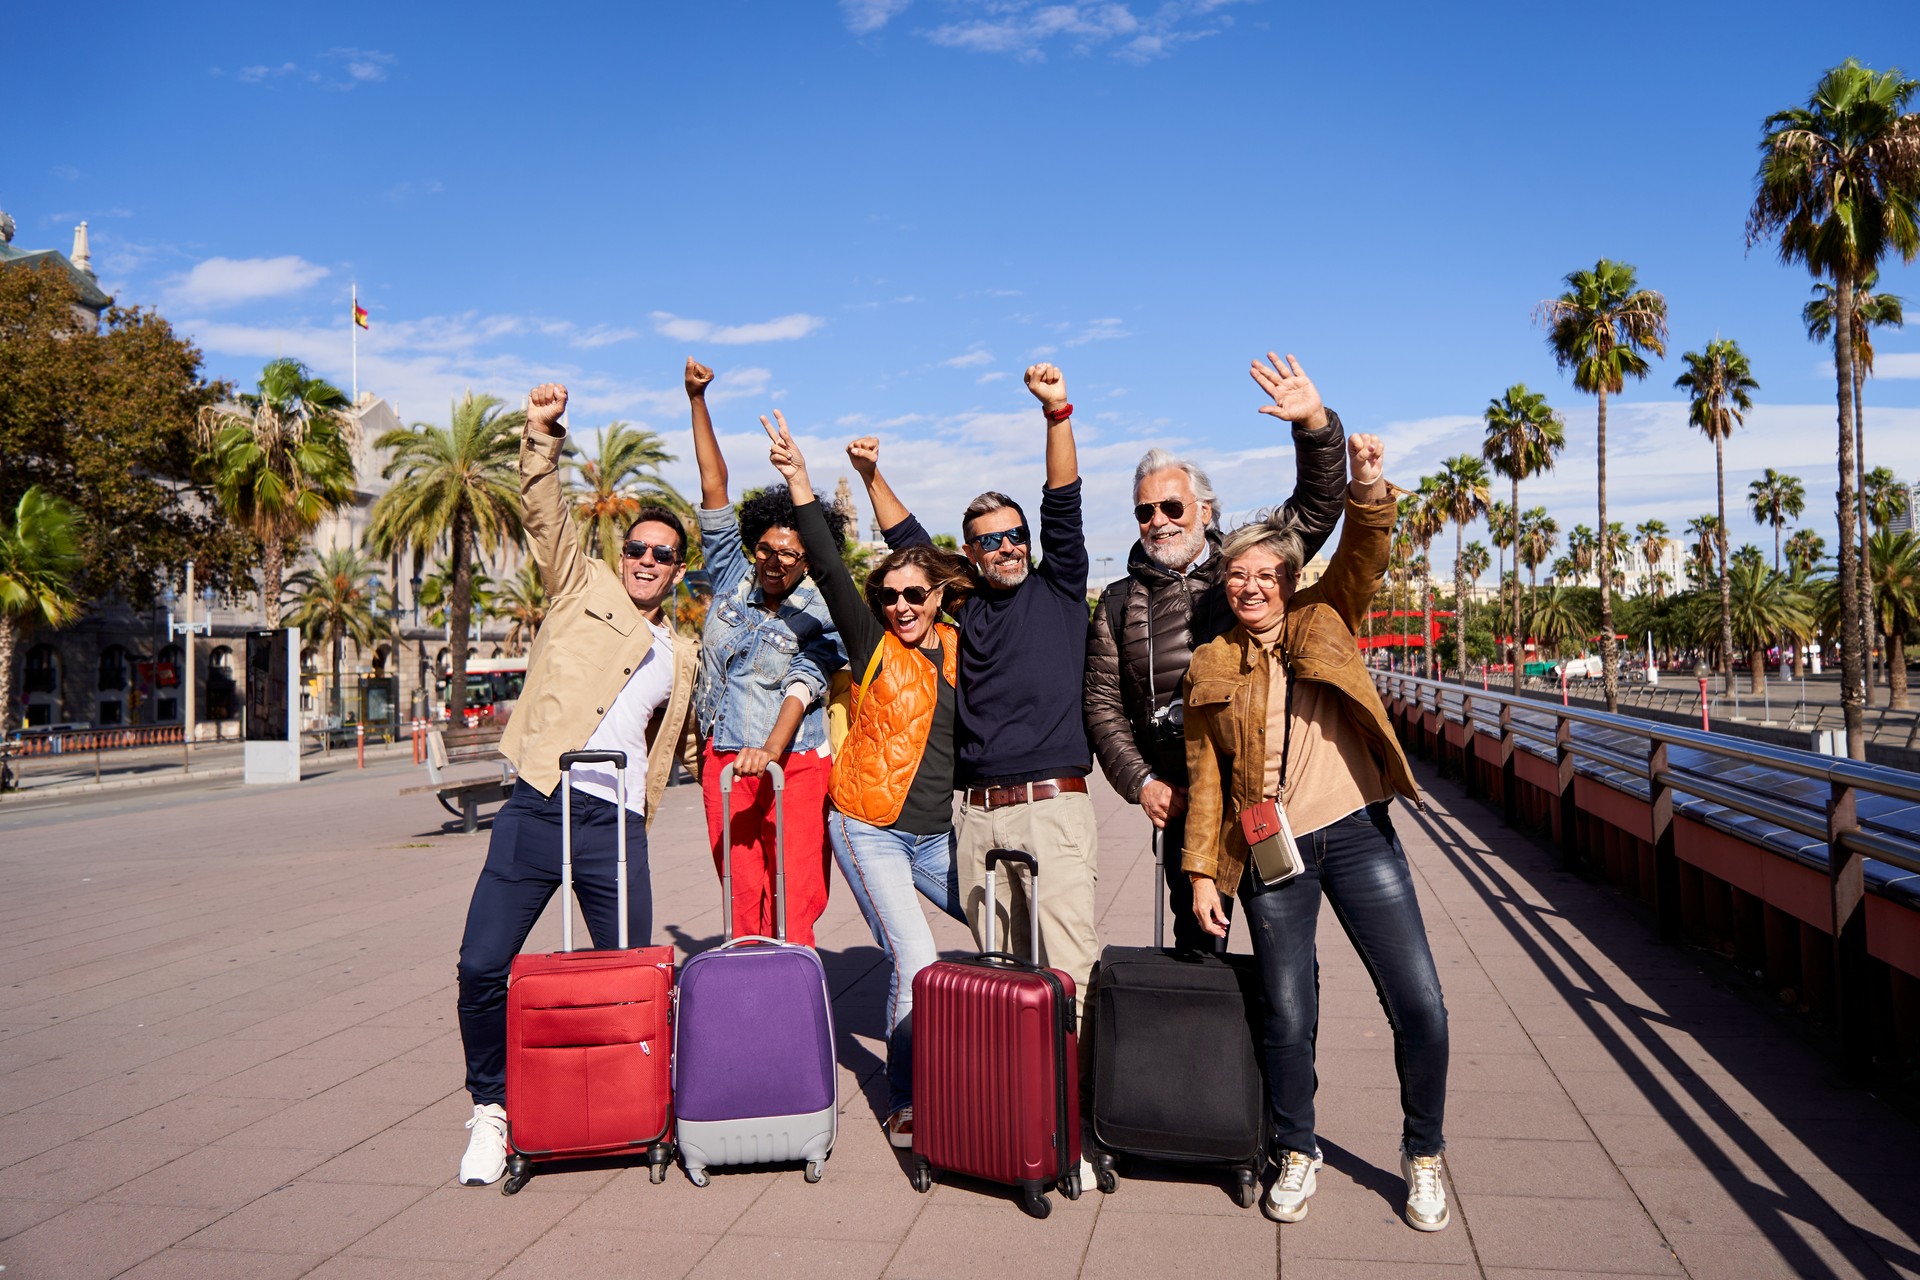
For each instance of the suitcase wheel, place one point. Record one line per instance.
(1070, 1185)
(519, 1169)
(698, 1177)
(1246, 1188)
(922, 1176)
(1105, 1178)
(816, 1170)
(657, 1172)
(1036, 1204)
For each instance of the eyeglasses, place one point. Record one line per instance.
(991, 541)
(662, 553)
(912, 595)
(1171, 508)
(1266, 579)
(767, 551)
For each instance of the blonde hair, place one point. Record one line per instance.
(1276, 535)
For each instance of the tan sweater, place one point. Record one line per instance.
(1330, 771)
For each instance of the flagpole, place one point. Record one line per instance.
(353, 324)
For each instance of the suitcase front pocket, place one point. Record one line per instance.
(574, 1026)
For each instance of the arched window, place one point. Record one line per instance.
(113, 669)
(309, 660)
(381, 657)
(222, 698)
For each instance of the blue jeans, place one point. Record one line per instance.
(883, 867)
(1358, 864)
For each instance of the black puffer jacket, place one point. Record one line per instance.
(1164, 617)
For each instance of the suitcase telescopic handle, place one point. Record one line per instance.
(568, 760)
(1159, 875)
(994, 858)
(778, 776)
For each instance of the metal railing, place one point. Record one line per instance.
(81, 740)
(1547, 730)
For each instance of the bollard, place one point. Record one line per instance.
(360, 744)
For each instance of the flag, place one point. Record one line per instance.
(360, 316)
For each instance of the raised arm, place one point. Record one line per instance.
(1063, 540)
(864, 454)
(859, 629)
(1319, 456)
(1360, 562)
(1050, 389)
(556, 551)
(706, 445)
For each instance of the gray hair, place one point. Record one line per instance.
(1277, 534)
(1158, 459)
(991, 500)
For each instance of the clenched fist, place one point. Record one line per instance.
(698, 376)
(545, 404)
(1366, 461)
(1048, 387)
(864, 454)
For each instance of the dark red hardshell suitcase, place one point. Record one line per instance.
(996, 1069)
(589, 1043)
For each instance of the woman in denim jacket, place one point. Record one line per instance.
(766, 657)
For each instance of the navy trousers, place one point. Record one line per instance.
(522, 872)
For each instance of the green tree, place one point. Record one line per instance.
(1805, 550)
(333, 600)
(1539, 532)
(1460, 492)
(103, 418)
(458, 485)
(612, 486)
(1703, 554)
(1838, 184)
(1582, 549)
(1774, 499)
(522, 604)
(1557, 619)
(1893, 569)
(278, 461)
(1653, 546)
(1886, 498)
(1524, 433)
(1600, 328)
(436, 593)
(1500, 532)
(1717, 381)
(40, 558)
(1429, 522)
(1765, 606)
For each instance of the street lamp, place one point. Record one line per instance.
(425, 692)
(392, 613)
(1701, 672)
(188, 629)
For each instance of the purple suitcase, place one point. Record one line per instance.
(754, 1077)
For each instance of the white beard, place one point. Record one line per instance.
(1177, 553)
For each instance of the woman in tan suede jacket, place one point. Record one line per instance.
(1282, 707)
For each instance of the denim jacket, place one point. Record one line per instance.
(749, 658)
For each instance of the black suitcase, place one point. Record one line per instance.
(1176, 1059)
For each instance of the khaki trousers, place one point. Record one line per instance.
(1060, 833)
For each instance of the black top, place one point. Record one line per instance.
(1023, 655)
(929, 805)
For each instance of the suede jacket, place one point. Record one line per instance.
(1226, 690)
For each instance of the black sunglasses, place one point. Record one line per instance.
(1172, 508)
(662, 552)
(913, 595)
(767, 550)
(992, 541)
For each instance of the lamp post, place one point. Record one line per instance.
(188, 629)
(1701, 672)
(392, 613)
(425, 692)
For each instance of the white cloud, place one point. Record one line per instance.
(364, 65)
(864, 17)
(971, 359)
(222, 282)
(1894, 364)
(602, 335)
(779, 329)
(1027, 29)
(357, 67)
(1099, 331)
(994, 376)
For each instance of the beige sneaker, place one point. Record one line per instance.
(1286, 1199)
(900, 1128)
(1426, 1191)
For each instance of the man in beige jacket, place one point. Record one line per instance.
(607, 673)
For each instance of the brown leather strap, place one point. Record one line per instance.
(1020, 793)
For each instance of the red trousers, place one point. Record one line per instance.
(808, 854)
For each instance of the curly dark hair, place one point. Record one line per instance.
(772, 508)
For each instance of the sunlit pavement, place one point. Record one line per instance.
(228, 1048)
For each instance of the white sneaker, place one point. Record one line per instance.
(1426, 1192)
(900, 1128)
(486, 1159)
(1286, 1199)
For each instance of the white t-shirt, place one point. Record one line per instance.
(624, 727)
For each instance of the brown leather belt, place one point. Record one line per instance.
(1021, 792)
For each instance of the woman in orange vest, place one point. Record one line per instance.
(890, 816)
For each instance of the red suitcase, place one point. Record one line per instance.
(996, 1066)
(588, 1036)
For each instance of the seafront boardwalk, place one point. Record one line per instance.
(227, 1048)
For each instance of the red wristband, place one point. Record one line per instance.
(1059, 415)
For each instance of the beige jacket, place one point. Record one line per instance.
(591, 641)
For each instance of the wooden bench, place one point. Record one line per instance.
(454, 747)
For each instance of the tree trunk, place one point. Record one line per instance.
(461, 613)
(1758, 657)
(1897, 669)
(1609, 660)
(1426, 594)
(9, 686)
(1460, 599)
(1720, 538)
(272, 565)
(1860, 490)
(1853, 632)
(1519, 648)
(339, 702)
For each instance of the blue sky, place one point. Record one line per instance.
(874, 213)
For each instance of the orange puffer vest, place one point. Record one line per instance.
(874, 768)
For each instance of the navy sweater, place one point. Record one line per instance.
(1023, 656)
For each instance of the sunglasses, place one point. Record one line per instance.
(913, 595)
(662, 553)
(991, 541)
(1172, 508)
(767, 551)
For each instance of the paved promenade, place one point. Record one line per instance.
(227, 1049)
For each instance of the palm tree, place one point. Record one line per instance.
(1539, 532)
(1871, 310)
(1501, 532)
(1805, 549)
(436, 593)
(279, 461)
(1460, 493)
(1474, 561)
(1556, 619)
(1838, 183)
(1523, 434)
(1429, 522)
(1653, 546)
(40, 558)
(1886, 499)
(614, 484)
(1774, 499)
(1703, 555)
(522, 601)
(1765, 605)
(1893, 570)
(458, 484)
(1581, 548)
(333, 601)
(1718, 381)
(1598, 328)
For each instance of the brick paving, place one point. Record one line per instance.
(227, 1048)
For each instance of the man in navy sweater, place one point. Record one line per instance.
(1022, 754)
